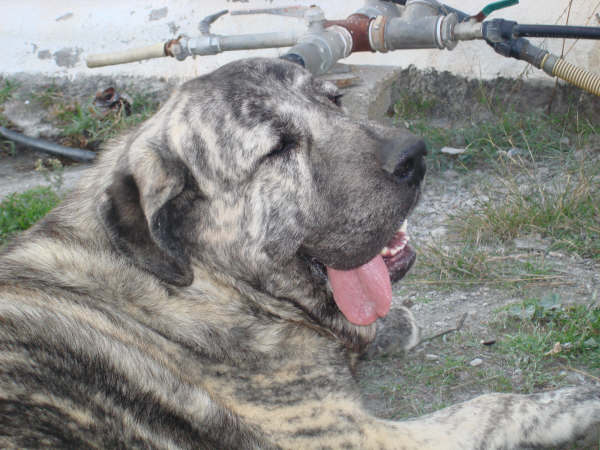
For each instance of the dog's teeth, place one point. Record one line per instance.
(386, 252)
(404, 226)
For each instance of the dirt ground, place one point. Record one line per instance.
(439, 372)
(478, 358)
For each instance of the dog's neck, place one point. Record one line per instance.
(300, 304)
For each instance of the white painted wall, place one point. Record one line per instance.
(53, 37)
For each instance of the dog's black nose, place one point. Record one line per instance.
(404, 163)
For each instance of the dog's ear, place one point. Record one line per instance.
(143, 211)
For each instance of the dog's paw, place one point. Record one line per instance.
(397, 332)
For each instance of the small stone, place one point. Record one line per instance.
(453, 151)
(66, 16)
(515, 152)
(438, 232)
(574, 378)
(488, 342)
(565, 140)
(534, 242)
(451, 174)
(459, 141)
(476, 362)
(431, 357)
(157, 14)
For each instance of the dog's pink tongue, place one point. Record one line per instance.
(362, 294)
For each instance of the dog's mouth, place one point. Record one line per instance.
(364, 293)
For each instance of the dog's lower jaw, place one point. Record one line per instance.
(308, 300)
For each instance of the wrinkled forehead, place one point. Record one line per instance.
(258, 86)
(238, 113)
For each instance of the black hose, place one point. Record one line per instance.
(76, 154)
(557, 31)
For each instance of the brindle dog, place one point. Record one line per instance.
(206, 283)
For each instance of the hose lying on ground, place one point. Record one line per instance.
(76, 154)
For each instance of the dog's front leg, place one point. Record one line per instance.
(509, 421)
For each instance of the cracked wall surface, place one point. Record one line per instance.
(53, 38)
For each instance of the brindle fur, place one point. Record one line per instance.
(170, 300)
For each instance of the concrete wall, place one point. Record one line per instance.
(52, 37)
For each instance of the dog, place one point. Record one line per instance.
(212, 278)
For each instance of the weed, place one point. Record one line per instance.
(7, 91)
(541, 135)
(53, 171)
(410, 106)
(540, 335)
(474, 264)
(7, 146)
(19, 211)
(565, 211)
(84, 126)
(47, 96)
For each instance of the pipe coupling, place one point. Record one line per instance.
(413, 32)
(320, 51)
(377, 34)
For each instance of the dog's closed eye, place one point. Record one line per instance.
(336, 99)
(283, 146)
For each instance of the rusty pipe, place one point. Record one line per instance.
(358, 27)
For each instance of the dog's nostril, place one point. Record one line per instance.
(404, 169)
(410, 166)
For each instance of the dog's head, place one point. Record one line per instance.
(254, 171)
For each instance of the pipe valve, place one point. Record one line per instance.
(422, 25)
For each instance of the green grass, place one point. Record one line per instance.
(565, 211)
(19, 211)
(540, 135)
(530, 331)
(412, 107)
(84, 126)
(47, 96)
(520, 361)
(414, 386)
(468, 264)
(6, 93)
(7, 90)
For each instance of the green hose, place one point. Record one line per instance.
(498, 5)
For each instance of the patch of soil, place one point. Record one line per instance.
(458, 367)
(395, 386)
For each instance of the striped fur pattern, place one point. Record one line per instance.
(171, 301)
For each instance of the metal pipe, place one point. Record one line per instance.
(374, 8)
(254, 41)
(127, 56)
(358, 27)
(212, 44)
(48, 147)
(420, 26)
(318, 52)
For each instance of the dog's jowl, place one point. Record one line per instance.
(211, 278)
